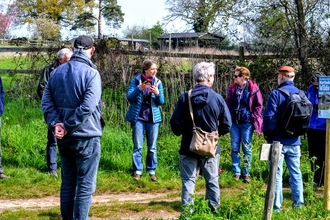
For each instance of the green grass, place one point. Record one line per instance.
(24, 148)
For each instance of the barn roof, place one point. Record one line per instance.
(199, 35)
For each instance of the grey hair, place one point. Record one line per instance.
(61, 53)
(81, 50)
(203, 70)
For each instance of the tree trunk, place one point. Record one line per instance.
(100, 21)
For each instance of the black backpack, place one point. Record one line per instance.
(296, 115)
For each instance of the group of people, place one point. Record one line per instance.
(239, 114)
(71, 89)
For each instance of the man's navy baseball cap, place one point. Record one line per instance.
(83, 42)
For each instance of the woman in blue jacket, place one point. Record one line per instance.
(145, 95)
(316, 133)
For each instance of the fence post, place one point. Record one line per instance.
(276, 149)
(326, 191)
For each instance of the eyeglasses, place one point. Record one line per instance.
(235, 76)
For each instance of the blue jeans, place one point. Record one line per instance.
(241, 133)
(138, 135)
(80, 160)
(51, 151)
(291, 155)
(188, 169)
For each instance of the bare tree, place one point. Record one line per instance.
(200, 15)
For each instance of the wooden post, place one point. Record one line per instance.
(270, 194)
(241, 54)
(326, 192)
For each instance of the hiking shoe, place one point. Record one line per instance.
(153, 177)
(136, 176)
(236, 177)
(246, 179)
(53, 173)
(220, 171)
(4, 176)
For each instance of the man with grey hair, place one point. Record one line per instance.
(210, 113)
(291, 144)
(63, 56)
(71, 108)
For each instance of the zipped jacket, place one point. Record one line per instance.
(255, 104)
(73, 96)
(135, 97)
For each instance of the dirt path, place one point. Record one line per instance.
(109, 199)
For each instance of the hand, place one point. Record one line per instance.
(154, 90)
(144, 85)
(60, 131)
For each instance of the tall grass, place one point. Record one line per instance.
(24, 148)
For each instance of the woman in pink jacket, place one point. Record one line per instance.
(244, 101)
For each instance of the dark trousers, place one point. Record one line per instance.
(316, 148)
(51, 151)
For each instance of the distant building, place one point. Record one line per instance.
(184, 40)
(130, 43)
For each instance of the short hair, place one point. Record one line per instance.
(316, 76)
(147, 64)
(61, 53)
(203, 70)
(243, 71)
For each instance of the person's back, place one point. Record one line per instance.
(71, 107)
(69, 84)
(276, 106)
(291, 145)
(210, 114)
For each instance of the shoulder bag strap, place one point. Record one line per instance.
(190, 108)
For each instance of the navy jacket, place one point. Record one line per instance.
(210, 113)
(274, 109)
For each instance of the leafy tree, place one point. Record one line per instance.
(153, 34)
(60, 12)
(46, 28)
(109, 10)
(140, 32)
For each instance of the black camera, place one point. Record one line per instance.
(238, 115)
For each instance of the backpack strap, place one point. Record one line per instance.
(190, 108)
(284, 91)
(301, 93)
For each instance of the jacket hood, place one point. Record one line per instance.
(200, 95)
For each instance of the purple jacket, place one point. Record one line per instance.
(255, 104)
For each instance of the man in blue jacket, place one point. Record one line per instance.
(71, 107)
(210, 114)
(2, 107)
(291, 145)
